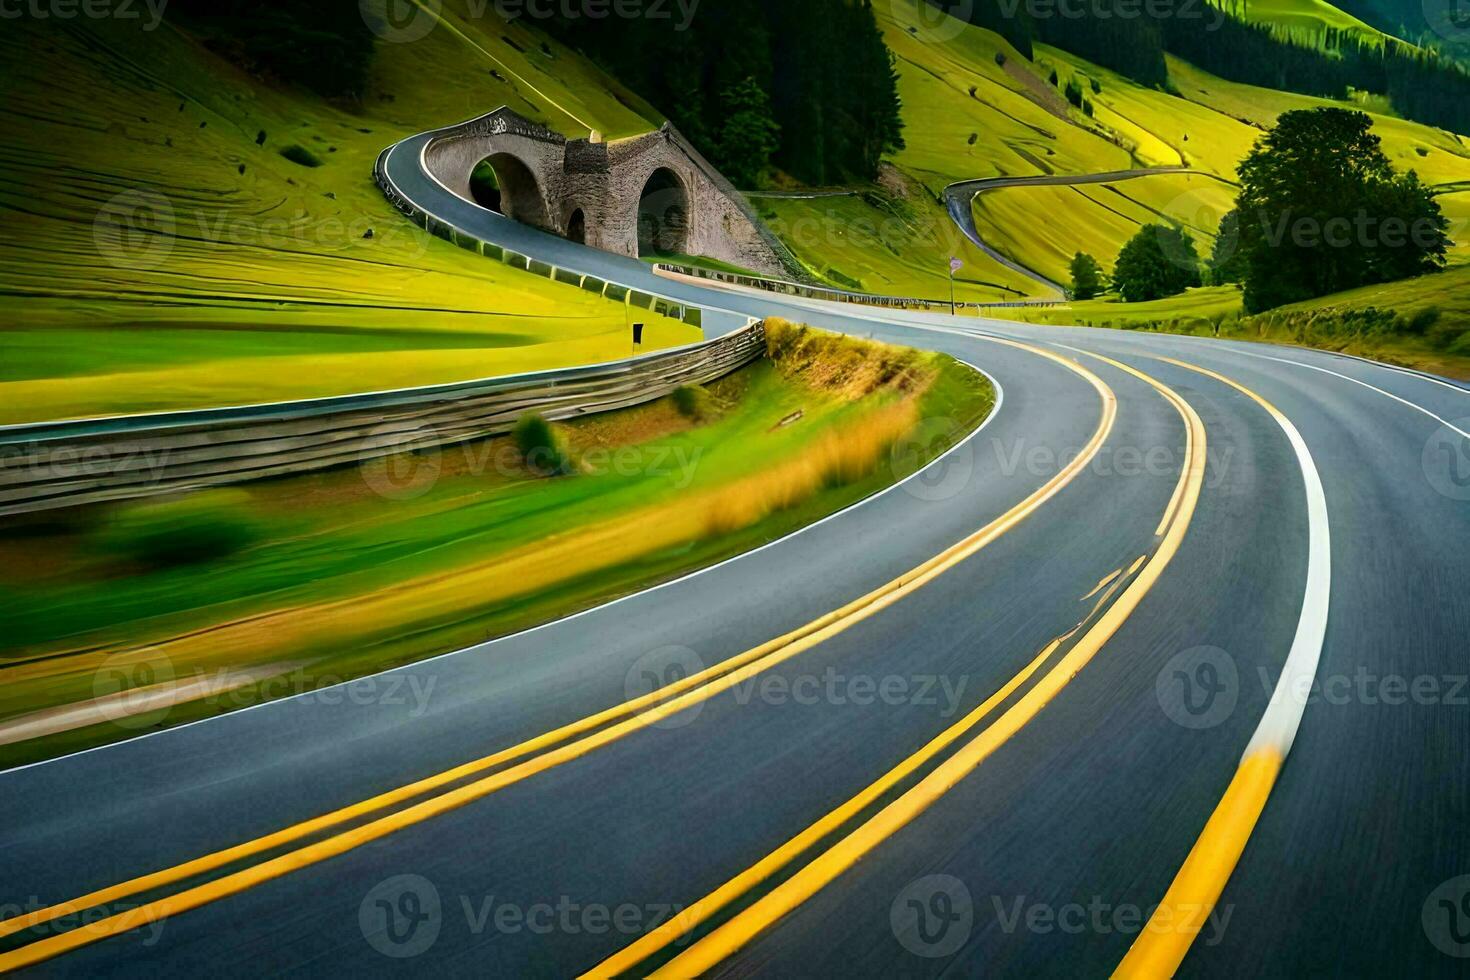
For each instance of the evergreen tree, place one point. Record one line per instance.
(749, 135)
(831, 91)
(1227, 264)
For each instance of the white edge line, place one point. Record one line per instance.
(1387, 394)
(479, 647)
(1283, 716)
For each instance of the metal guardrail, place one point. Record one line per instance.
(59, 464)
(788, 288)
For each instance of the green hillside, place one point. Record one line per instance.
(1209, 125)
(1301, 19)
(252, 277)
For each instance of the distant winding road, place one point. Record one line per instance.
(1184, 622)
(959, 198)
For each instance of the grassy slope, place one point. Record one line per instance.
(264, 286)
(1305, 20)
(904, 246)
(1209, 126)
(1019, 124)
(338, 583)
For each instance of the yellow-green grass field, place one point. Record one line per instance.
(302, 581)
(881, 242)
(1209, 126)
(896, 237)
(1099, 217)
(1303, 20)
(158, 251)
(967, 116)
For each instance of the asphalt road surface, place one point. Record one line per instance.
(1019, 715)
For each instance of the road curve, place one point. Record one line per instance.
(979, 722)
(959, 199)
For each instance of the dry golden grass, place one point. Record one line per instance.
(847, 366)
(878, 390)
(837, 459)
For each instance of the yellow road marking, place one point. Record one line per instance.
(644, 712)
(1161, 947)
(670, 931)
(1190, 900)
(1101, 583)
(736, 932)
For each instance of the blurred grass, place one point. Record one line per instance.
(347, 582)
(258, 278)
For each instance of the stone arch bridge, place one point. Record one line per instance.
(647, 195)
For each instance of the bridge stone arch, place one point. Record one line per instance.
(664, 209)
(521, 154)
(518, 194)
(602, 193)
(576, 225)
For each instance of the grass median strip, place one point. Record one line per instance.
(625, 719)
(340, 574)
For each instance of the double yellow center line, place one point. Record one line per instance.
(556, 747)
(739, 930)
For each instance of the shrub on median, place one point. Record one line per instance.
(180, 530)
(542, 447)
(694, 402)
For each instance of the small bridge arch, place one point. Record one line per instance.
(645, 195)
(663, 214)
(505, 183)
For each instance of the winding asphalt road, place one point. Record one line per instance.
(959, 199)
(981, 723)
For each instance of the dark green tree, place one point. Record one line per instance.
(1226, 262)
(326, 47)
(1087, 277)
(1158, 261)
(749, 135)
(1322, 210)
(823, 64)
